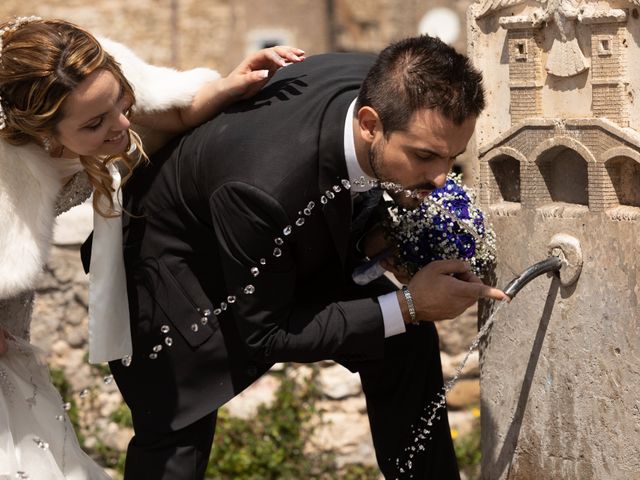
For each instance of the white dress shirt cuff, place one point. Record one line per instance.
(391, 315)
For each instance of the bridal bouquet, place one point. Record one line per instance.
(446, 225)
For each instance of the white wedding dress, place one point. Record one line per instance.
(37, 440)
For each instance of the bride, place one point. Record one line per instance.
(67, 102)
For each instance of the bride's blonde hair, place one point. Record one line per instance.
(41, 63)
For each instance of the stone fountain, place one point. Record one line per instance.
(558, 166)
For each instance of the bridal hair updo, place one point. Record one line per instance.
(41, 63)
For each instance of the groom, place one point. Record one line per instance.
(240, 245)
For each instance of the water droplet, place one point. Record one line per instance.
(126, 360)
(194, 327)
(153, 356)
(249, 289)
(323, 200)
(277, 252)
(231, 299)
(300, 222)
(164, 329)
(108, 379)
(168, 341)
(255, 271)
(287, 230)
(263, 261)
(279, 241)
(157, 348)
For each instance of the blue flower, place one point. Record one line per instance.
(446, 225)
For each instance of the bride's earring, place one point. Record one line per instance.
(46, 144)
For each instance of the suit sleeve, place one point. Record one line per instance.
(274, 324)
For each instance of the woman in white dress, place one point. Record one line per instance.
(67, 104)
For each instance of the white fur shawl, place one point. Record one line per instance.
(30, 184)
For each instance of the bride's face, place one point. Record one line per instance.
(95, 121)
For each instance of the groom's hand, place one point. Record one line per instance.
(444, 289)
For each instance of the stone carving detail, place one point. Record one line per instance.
(565, 58)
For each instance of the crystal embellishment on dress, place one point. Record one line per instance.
(278, 241)
(300, 222)
(277, 252)
(126, 360)
(157, 348)
(153, 356)
(168, 341)
(287, 230)
(194, 327)
(164, 329)
(108, 379)
(249, 290)
(231, 299)
(41, 443)
(255, 271)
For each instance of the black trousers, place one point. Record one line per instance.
(397, 389)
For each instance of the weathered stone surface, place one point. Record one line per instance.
(338, 383)
(560, 154)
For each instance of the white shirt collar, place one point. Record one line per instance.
(353, 167)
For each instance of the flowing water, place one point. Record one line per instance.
(421, 432)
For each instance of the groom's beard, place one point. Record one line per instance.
(376, 163)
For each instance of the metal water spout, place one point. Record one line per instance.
(551, 264)
(565, 258)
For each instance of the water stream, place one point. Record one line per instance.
(421, 432)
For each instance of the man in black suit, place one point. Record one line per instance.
(239, 250)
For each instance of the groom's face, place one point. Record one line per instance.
(419, 157)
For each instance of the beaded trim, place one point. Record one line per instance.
(11, 27)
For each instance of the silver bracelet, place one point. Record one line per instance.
(410, 305)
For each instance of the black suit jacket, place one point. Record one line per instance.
(207, 210)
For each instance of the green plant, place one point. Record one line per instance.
(467, 448)
(272, 445)
(122, 416)
(66, 392)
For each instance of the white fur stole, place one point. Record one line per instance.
(30, 183)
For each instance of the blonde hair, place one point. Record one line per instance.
(41, 63)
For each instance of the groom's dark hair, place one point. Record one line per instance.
(421, 73)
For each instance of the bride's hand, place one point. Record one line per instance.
(255, 70)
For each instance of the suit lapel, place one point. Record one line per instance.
(332, 169)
